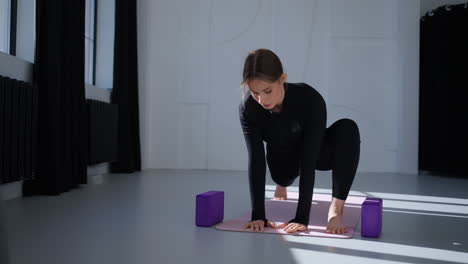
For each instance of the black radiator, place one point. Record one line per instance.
(102, 136)
(18, 122)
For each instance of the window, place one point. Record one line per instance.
(5, 7)
(90, 36)
(23, 46)
(17, 28)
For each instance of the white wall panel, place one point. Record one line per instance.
(360, 55)
(192, 136)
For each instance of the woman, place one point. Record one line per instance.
(291, 118)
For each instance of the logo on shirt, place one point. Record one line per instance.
(296, 127)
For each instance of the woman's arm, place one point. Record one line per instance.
(315, 122)
(257, 165)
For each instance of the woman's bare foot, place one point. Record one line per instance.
(335, 216)
(280, 193)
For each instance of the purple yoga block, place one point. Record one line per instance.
(209, 208)
(371, 217)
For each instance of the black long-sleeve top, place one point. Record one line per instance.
(296, 131)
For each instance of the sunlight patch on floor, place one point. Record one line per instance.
(381, 247)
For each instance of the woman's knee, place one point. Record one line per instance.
(349, 127)
(284, 182)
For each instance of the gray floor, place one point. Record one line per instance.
(148, 217)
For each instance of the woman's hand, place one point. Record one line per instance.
(292, 227)
(258, 225)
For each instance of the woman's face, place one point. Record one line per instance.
(267, 94)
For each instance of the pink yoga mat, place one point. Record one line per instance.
(283, 211)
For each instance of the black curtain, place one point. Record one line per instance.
(59, 76)
(443, 134)
(125, 88)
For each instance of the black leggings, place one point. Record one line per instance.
(339, 152)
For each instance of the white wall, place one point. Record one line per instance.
(11, 66)
(361, 55)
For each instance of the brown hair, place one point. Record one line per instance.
(261, 64)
